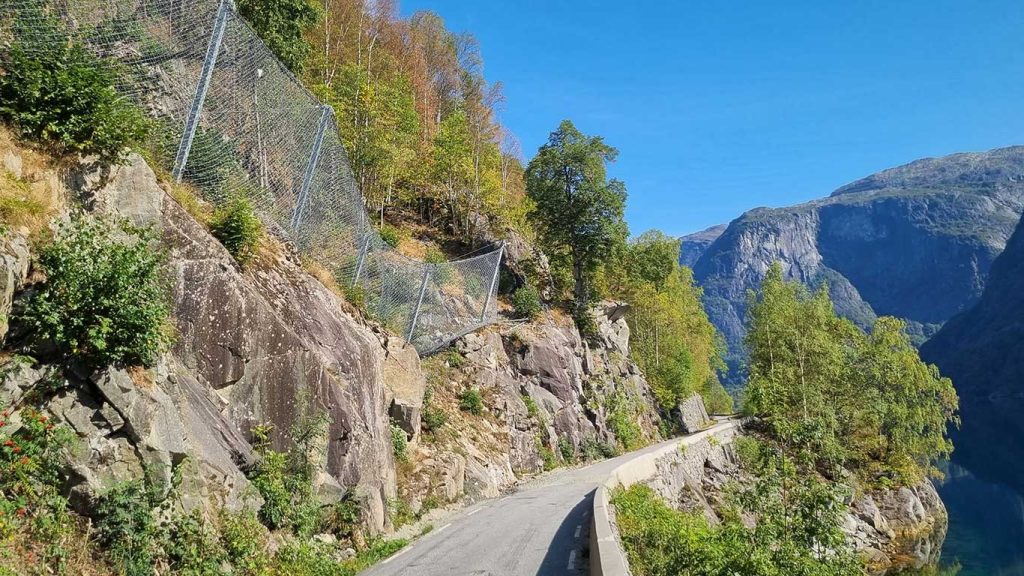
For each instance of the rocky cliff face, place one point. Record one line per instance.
(256, 346)
(270, 344)
(982, 351)
(550, 399)
(915, 242)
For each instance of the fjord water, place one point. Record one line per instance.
(984, 493)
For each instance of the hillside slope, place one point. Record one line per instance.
(915, 242)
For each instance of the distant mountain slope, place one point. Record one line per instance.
(692, 246)
(982, 350)
(914, 242)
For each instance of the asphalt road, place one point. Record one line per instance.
(542, 529)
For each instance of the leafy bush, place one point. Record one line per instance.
(192, 546)
(454, 359)
(547, 455)
(282, 25)
(798, 531)
(526, 302)
(532, 410)
(245, 542)
(566, 449)
(433, 419)
(127, 528)
(622, 421)
(399, 443)
(390, 235)
(238, 228)
(104, 299)
(471, 401)
(63, 96)
(285, 480)
(31, 503)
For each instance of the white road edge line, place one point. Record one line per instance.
(441, 529)
(397, 554)
(475, 511)
(578, 528)
(572, 560)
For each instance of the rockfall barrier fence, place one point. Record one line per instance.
(233, 120)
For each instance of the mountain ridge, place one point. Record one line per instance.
(915, 241)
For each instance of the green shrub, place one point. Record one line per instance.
(306, 559)
(566, 449)
(454, 359)
(104, 299)
(31, 481)
(390, 235)
(64, 97)
(245, 542)
(192, 546)
(399, 443)
(471, 401)
(547, 455)
(238, 228)
(433, 419)
(526, 302)
(285, 480)
(126, 526)
(749, 451)
(532, 410)
(622, 421)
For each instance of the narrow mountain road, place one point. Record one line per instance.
(540, 530)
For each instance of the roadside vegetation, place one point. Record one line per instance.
(827, 400)
(844, 399)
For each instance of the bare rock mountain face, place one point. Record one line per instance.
(914, 242)
(982, 350)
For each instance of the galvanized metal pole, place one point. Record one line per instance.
(419, 302)
(192, 123)
(314, 159)
(494, 280)
(362, 258)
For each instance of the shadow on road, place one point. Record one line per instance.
(568, 540)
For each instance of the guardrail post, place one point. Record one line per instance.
(192, 123)
(494, 280)
(419, 303)
(359, 263)
(314, 159)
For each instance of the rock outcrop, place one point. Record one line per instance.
(268, 344)
(550, 397)
(915, 242)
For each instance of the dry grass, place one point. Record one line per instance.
(29, 199)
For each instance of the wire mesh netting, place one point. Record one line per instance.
(234, 121)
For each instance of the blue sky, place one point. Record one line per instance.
(719, 106)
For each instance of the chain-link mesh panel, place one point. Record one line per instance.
(234, 121)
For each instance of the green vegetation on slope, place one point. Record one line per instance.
(861, 401)
(62, 96)
(797, 533)
(671, 338)
(105, 300)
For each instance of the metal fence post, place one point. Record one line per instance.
(192, 123)
(314, 159)
(359, 263)
(494, 280)
(419, 303)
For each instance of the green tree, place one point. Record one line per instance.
(671, 337)
(905, 407)
(824, 387)
(281, 24)
(579, 211)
